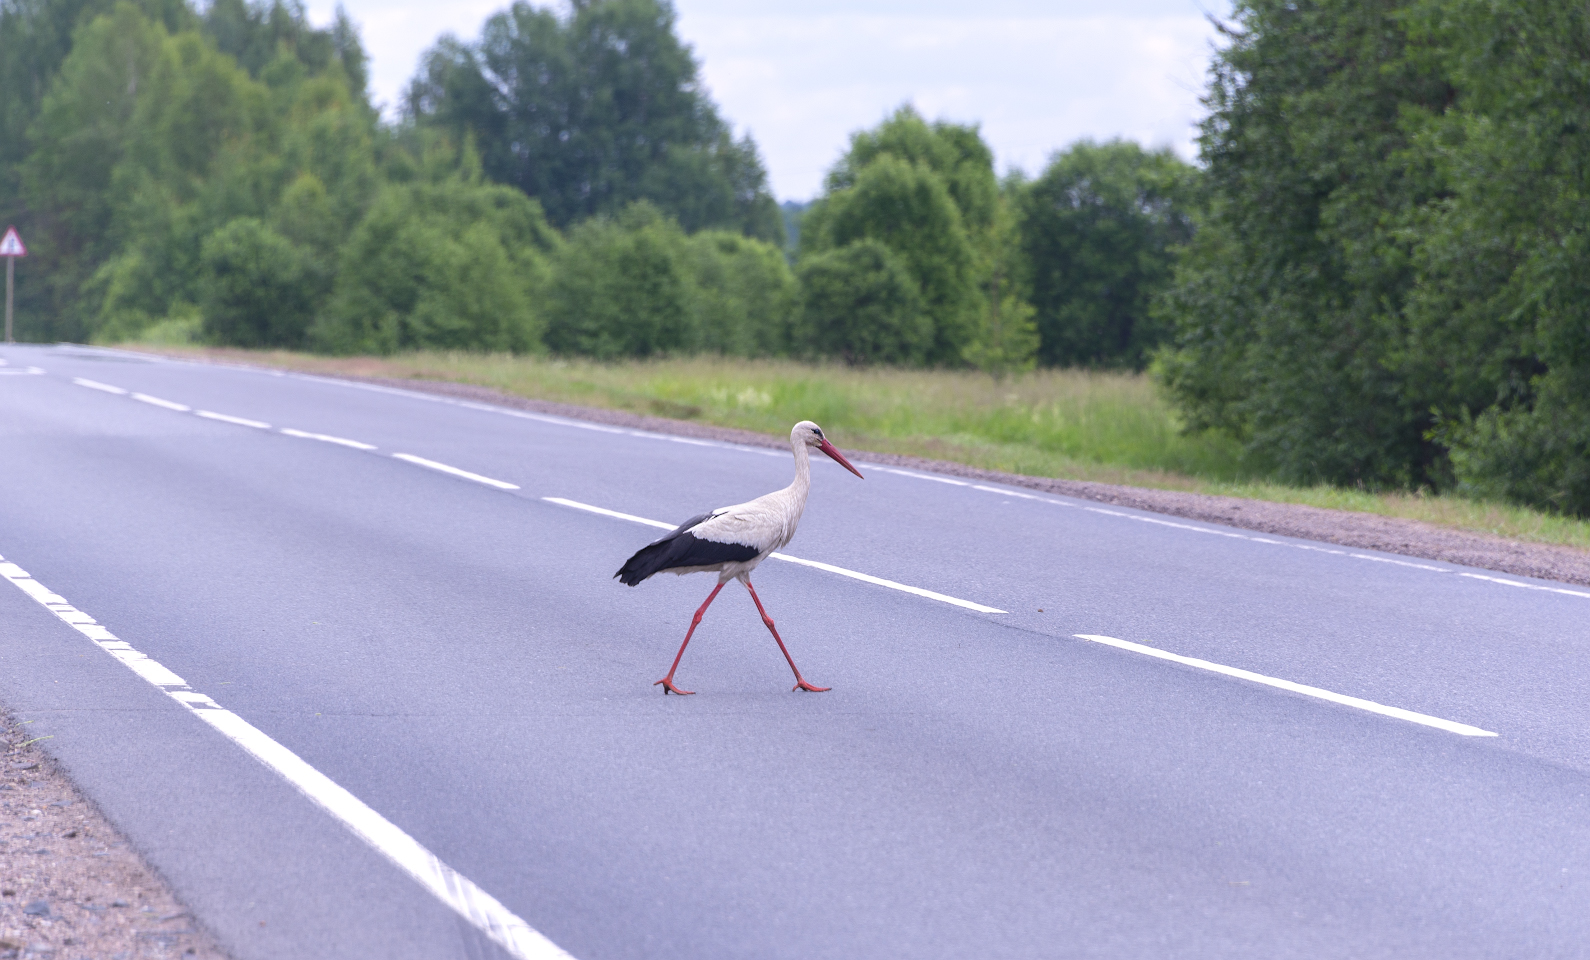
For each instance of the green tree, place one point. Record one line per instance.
(955, 152)
(129, 184)
(1006, 341)
(258, 34)
(928, 193)
(907, 207)
(197, 120)
(591, 111)
(36, 36)
(1288, 305)
(860, 303)
(1500, 315)
(636, 285)
(1097, 231)
(80, 134)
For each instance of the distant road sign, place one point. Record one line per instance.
(11, 244)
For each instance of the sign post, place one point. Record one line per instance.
(11, 247)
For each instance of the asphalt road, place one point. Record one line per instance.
(458, 658)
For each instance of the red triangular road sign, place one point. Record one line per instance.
(11, 244)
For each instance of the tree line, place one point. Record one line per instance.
(1374, 277)
(1389, 285)
(561, 183)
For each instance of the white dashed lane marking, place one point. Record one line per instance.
(560, 421)
(326, 438)
(825, 567)
(240, 421)
(444, 468)
(1450, 726)
(146, 398)
(96, 385)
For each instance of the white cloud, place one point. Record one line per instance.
(802, 85)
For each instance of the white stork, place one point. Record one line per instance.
(731, 541)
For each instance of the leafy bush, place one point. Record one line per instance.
(456, 265)
(1538, 456)
(636, 286)
(258, 289)
(743, 294)
(620, 288)
(861, 304)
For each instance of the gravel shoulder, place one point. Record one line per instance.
(1367, 531)
(71, 887)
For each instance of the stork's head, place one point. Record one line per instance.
(812, 435)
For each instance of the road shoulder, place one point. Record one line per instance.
(1364, 531)
(70, 884)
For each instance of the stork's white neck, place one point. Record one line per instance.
(795, 493)
(803, 471)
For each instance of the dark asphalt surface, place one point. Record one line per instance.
(975, 785)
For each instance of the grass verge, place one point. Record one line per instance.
(1078, 425)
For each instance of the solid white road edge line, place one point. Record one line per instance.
(499, 484)
(1023, 496)
(256, 424)
(1526, 586)
(327, 438)
(449, 886)
(1449, 726)
(146, 398)
(96, 385)
(827, 567)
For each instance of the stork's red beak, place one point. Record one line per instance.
(828, 448)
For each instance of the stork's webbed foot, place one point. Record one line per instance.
(668, 687)
(803, 685)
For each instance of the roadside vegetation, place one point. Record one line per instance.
(1100, 426)
(1372, 290)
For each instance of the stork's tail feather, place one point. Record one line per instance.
(647, 560)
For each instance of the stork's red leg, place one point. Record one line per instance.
(668, 681)
(800, 681)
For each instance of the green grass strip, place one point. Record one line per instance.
(1073, 424)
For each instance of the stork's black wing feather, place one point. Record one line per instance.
(688, 524)
(681, 549)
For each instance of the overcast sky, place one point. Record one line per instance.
(801, 75)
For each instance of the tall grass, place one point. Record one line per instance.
(1053, 422)
(1110, 427)
(1082, 425)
